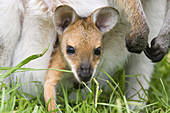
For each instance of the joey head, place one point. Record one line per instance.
(79, 47)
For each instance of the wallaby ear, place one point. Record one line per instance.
(105, 18)
(63, 17)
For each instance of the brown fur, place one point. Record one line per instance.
(57, 62)
(85, 37)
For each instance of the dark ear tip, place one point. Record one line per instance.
(110, 9)
(62, 7)
(64, 16)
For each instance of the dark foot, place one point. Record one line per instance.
(157, 50)
(136, 42)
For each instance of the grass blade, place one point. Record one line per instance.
(96, 93)
(126, 104)
(30, 58)
(2, 102)
(166, 96)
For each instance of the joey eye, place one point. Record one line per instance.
(70, 50)
(97, 51)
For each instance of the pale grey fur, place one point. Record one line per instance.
(38, 30)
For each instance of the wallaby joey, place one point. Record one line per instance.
(27, 27)
(79, 47)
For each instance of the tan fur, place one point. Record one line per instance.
(57, 62)
(82, 35)
(85, 38)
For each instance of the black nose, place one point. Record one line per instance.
(85, 72)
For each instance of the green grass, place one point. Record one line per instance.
(95, 101)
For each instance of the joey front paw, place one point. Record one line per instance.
(157, 50)
(136, 42)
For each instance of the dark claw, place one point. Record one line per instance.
(158, 58)
(154, 57)
(156, 52)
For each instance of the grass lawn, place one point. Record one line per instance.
(95, 102)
